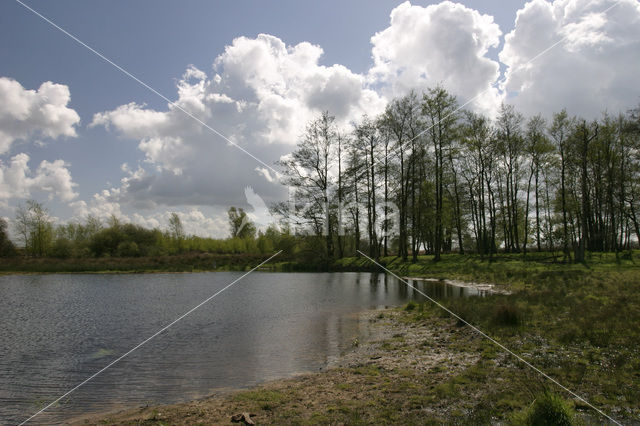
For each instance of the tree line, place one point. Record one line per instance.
(429, 177)
(38, 236)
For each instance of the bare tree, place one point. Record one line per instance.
(307, 171)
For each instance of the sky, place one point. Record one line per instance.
(82, 137)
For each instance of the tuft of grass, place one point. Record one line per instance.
(507, 315)
(410, 306)
(547, 409)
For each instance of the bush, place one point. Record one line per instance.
(410, 306)
(128, 249)
(508, 315)
(62, 248)
(464, 309)
(548, 409)
(570, 334)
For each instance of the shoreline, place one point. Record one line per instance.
(391, 352)
(480, 287)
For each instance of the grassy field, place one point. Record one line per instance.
(576, 322)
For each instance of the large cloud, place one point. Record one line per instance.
(596, 67)
(445, 44)
(261, 96)
(40, 113)
(17, 180)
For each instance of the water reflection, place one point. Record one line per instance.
(57, 330)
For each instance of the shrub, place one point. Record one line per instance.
(128, 249)
(569, 334)
(507, 314)
(463, 309)
(548, 409)
(410, 306)
(62, 248)
(598, 337)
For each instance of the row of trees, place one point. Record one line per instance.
(426, 176)
(38, 236)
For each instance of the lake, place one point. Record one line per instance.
(57, 330)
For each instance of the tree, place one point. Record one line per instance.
(22, 226)
(402, 122)
(510, 145)
(240, 224)
(6, 245)
(126, 240)
(366, 141)
(583, 135)
(307, 171)
(440, 107)
(537, 148)
(35, 228)
(560, 130)
(176, 230)
(478, 171)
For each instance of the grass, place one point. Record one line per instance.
(579, 328)
(191, 262)
(504, 269)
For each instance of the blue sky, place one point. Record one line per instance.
(158, 40)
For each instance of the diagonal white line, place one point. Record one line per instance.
(142, 83)
(542, 52)
(149, 338)
(500, 345)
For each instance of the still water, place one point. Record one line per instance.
(57, 330)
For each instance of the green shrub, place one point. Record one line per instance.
(548, 409)
(128, 249)
(570, 334)
(507, 314)
(464, 309)
(598, 337)
(62, 248)
(410, 306)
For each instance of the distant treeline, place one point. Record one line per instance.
(93, 238)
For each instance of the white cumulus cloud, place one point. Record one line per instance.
(261, 95)
(34, 113)
(594, 67)
(445, 43)
(17, 180)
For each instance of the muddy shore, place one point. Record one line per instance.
(376, 377)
